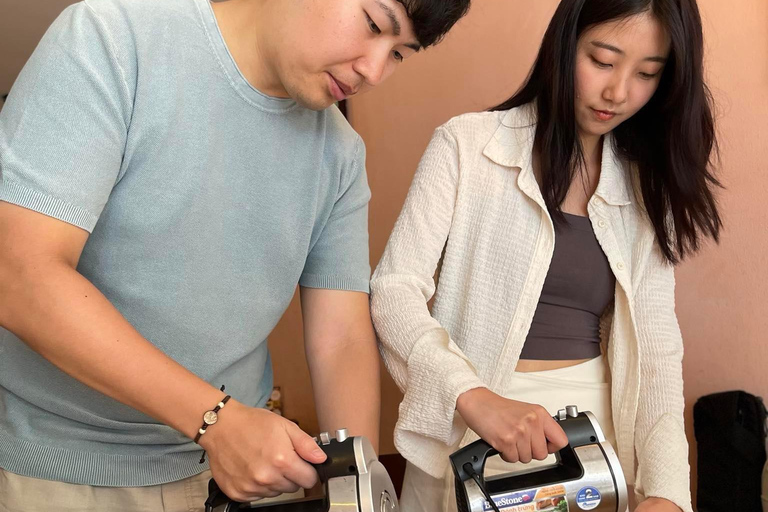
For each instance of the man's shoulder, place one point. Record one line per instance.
(142, 15)
(140, 6)
(339, 128)
(342, 142)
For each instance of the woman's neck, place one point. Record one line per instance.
(592, 146)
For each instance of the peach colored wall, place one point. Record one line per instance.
(723, 293)
(22, 24)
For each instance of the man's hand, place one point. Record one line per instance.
(657, 505)
(254, 453)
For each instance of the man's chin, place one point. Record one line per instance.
(314, 103)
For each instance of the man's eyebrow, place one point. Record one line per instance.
(396, 27)
(392, 17)
(606, 46)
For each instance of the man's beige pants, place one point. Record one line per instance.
(24, 494)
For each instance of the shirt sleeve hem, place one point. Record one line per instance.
(352, 284)
(21, 195)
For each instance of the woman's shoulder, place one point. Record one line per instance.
(522, 116)
(478, 128)
(473, 121)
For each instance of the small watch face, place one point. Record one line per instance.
(210, 418)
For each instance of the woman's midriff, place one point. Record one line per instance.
(537, 365)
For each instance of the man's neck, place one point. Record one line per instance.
(242, 24)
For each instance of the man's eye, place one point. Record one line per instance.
(374, 28)
(398, 56)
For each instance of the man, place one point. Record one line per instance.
(171, 170)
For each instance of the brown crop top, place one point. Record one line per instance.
(578, 287)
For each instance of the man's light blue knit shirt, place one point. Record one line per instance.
(207, 203)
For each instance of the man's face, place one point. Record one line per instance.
(329, 50)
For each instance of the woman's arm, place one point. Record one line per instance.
(660, 442)
(419, 353)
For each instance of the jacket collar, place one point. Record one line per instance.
(512, 146)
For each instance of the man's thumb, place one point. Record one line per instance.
(305, 446)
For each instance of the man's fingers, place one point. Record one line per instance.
(301, 473)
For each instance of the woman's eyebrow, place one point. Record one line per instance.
(610, 47)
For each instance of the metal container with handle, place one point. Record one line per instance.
(353, 478)
(586, 476)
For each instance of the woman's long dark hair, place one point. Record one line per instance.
(670, 140)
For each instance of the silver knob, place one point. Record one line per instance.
(325, 438)
(572, 411)
(342, 435)
(386, 504)
(561, 415)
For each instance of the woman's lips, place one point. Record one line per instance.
(603, 115)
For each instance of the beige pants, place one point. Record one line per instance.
(585, 385)
(24, 494)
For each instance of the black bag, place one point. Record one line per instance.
(730, 431)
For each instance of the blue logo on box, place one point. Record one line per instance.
(588, 498)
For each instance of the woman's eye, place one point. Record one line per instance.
(648, 76)
(398, 56)
(372, 25)
(599, 64)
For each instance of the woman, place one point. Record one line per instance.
(558, 216)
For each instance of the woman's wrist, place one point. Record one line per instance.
(467, 398)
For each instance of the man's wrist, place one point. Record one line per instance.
(211, 417)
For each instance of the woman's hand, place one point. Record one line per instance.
(657, 505)
(519, 431)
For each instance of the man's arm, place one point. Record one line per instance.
(63, 317)
(343, 360)
(48, 304)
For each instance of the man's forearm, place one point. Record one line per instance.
(65, 318)
(347, 387)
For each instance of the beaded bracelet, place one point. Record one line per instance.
(210, 418)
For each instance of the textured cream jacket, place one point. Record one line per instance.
(475, 197)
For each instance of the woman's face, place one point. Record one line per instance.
(618, 68)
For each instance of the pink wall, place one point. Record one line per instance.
(723, 293)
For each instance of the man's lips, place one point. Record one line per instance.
(342, 90)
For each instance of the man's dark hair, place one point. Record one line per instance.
(432, 19)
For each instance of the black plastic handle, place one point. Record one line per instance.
(578, 429)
